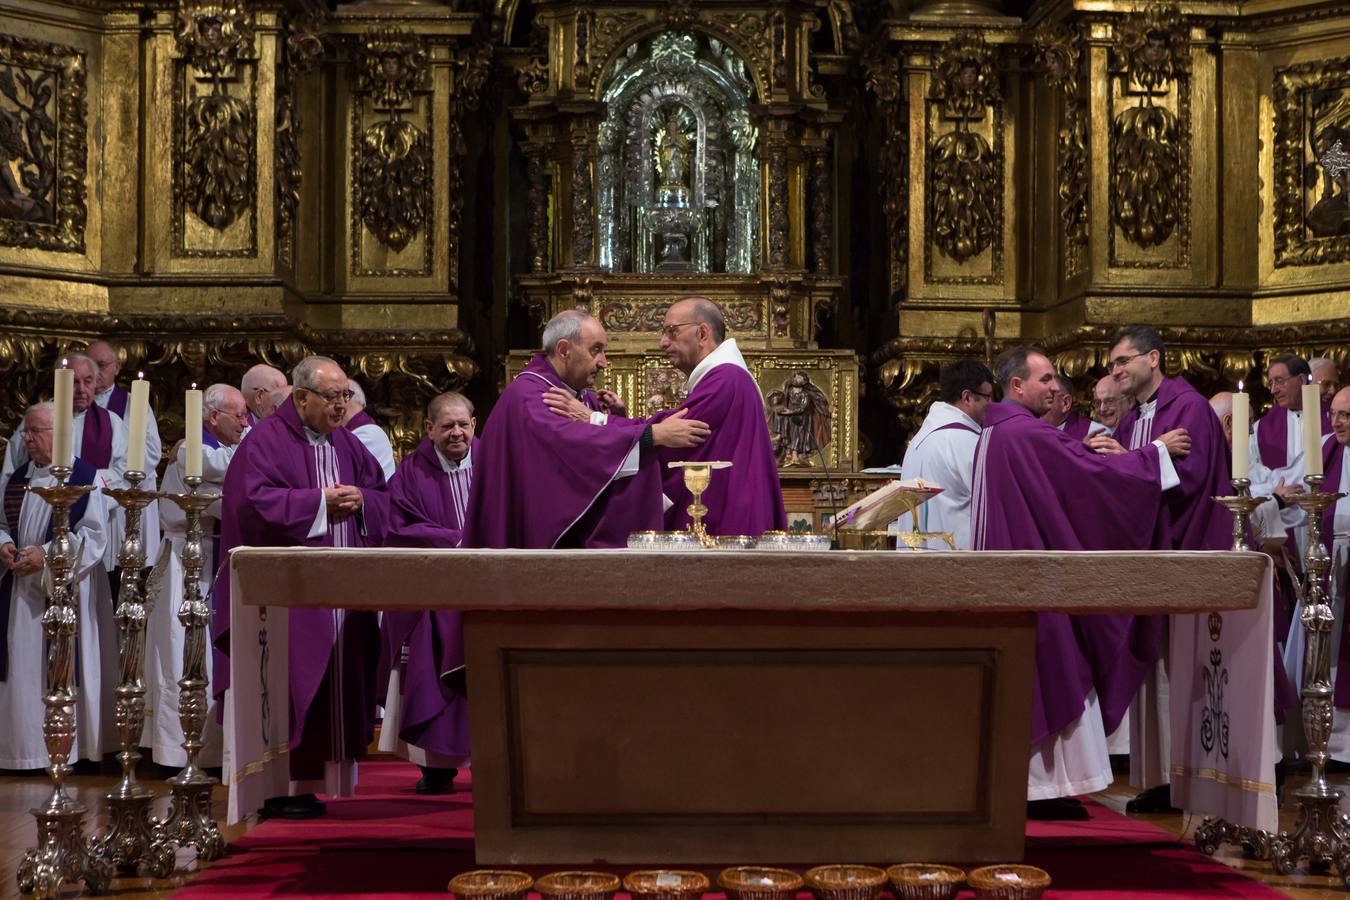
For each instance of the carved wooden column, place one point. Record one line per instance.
(536, 157)
(582, 136)
(884, 82)
(776, 136)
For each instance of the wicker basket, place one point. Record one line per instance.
(490, 884)
(845, 882)
(1009, 882)
(578, 885)
(759, 883)
(665, 884)
(924, 881)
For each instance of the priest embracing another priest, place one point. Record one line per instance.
(561, 465)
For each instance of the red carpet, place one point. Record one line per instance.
(389, 841)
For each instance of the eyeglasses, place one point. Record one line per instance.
(332, 398)
(670, 330)
(1121, 362)
(987, 396)
(1282, 381)
(1106, 401)
(1340, 415)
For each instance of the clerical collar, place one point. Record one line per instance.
(725, 353)
(450, 465)
(315, 439)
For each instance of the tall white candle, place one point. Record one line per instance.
(192, 424)
(63, 412)
(1242, 426)
(1312, 428)
(137, 423)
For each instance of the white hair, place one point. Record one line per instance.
(72, 358)
(358, 395)
(217, 395)
(44, 406)
(1321, 361)
(565, 326)
(305, 373)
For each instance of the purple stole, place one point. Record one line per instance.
(1272, 438)
(359, 420)
(118, 401)
(81, 473)
(96, 445)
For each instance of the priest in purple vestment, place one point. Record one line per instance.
(1062, 415)
(1187, 520)
(426, 715)
(300, 479)
(543, 480)
(1036, 488)
(719, 390)
(1336, 538)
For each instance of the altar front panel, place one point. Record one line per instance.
(729, 737)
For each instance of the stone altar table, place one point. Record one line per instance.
(712, 706)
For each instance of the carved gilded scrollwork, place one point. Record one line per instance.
(638, 316)
(1058, 53)
(583, 197)
(537, 200)
(780, 303)
(750, 34)
(1149, 181)
(43, 145)
(822, 232)
(965, 173)
(301, 50)
(1312, 163)
(533, 77)
(680, 15)
(215, 178)
(884, 82)
(393, 158)
(609, 30)
(583, 294)
(581, 69)
(776, 153)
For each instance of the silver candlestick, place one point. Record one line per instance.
(1211, 832)
(128, 842)
(1322, 832)
(61, 855)
(189, 822)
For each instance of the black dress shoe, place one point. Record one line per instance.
(1060, 809)
(302, 806)
(436, 781)
(1154, 800)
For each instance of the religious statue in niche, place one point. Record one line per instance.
(799, 420)
(677, 176)
(27, 142)
(1330, 139)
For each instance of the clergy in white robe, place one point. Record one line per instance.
(1327, 375)
(25, 538)
(368, 431)
(942, 453)
(224, 417)
(117, 400)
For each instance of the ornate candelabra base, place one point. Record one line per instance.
(61, 855)
(129, 841)
(189, 823)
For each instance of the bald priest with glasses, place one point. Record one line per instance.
(300, 479)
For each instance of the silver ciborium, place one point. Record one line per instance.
(189, 821)
(61, 855)
(128, 841)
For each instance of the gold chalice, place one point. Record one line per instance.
(697, 476)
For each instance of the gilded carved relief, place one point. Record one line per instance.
(43, 142)
(965, 171)
(300, 51)
(215, 176)
(394, 184)
(883, 81)
(745, 316)
(1058, 53)
(1312, 163)
(1150, 183)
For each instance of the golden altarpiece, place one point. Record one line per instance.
(869, 187)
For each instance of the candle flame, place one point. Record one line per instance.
(1239, 385)
(65, 363)
(140, 376)
(194, 385)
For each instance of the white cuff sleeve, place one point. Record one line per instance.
(599, 418)
(1169, 472)
(320, 519)
(630, 462)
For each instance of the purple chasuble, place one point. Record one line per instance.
(541, 480)
(272, 492)
(1036, 488)
(748, 497)
(1333, 458)
(1076, 426)
(118, 401)
(1272, 437)
(96, 444)
(427, 507)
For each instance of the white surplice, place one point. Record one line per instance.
(373, 438)
(21, 706)
(163, 733)
(944, 457)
